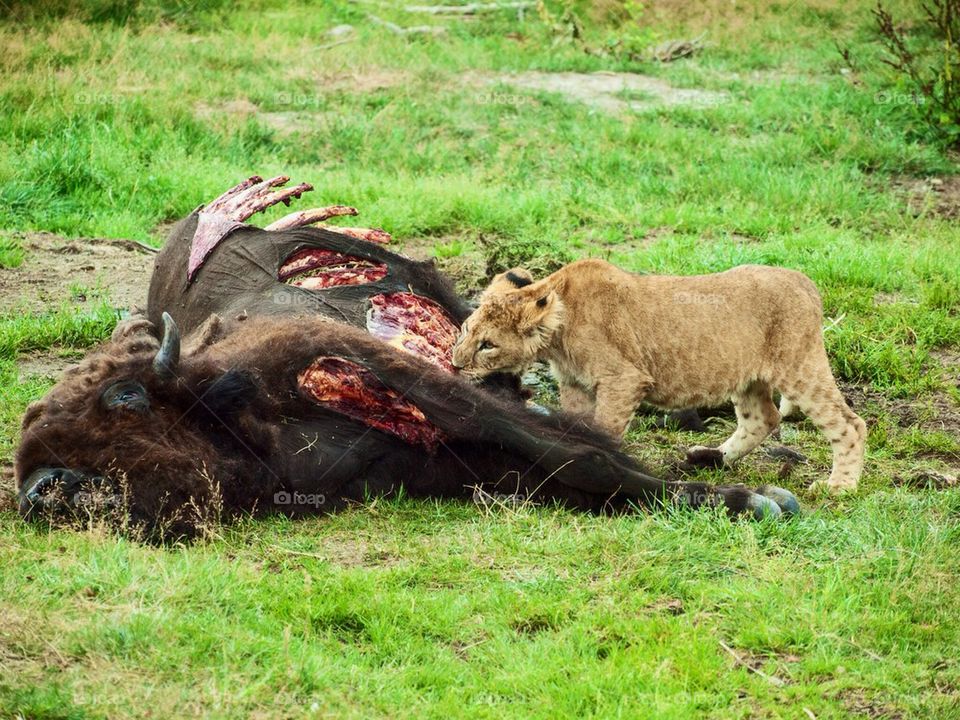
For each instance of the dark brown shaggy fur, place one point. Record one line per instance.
(235, 419)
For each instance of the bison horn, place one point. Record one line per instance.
(168, 358)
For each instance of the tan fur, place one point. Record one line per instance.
(614, 339)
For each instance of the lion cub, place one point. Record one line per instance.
(615, 339)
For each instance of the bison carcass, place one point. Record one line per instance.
(294, 407)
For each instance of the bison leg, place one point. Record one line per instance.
(610, 473)
(573, 455)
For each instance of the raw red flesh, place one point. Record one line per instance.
(414, 324)
(348, 388)
(317, 269)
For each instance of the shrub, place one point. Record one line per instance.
(927, 64)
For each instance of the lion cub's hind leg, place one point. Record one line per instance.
(787, 407)
(757, 417)
(821, 400)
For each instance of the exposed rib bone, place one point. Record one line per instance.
(216, 205)
(227, 213)
(258, 197)
(374, 235)
(308, 217)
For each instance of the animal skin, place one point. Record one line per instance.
(317, 367)
(615, 339)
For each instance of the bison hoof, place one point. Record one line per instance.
(785, 500)
(700, 456)
(763, 507)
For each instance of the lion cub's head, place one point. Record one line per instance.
(515, 321)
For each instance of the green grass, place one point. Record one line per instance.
(114, 118)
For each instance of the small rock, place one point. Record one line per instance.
(340, 31)
(783, 452)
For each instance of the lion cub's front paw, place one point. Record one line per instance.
(701, 456)
(834, 487)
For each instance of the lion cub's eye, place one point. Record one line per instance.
(486, 345)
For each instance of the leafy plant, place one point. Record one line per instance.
(929, 71)
(634, 39)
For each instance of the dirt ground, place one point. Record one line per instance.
(57, 271)
(938, 196)
(610, 92)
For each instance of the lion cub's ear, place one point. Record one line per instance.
(518, 277)
(512, 279)
(540, 312)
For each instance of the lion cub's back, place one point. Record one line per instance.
(710, 332)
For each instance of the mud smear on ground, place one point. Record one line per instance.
(8, 495)
(79, 272)
(467, 269)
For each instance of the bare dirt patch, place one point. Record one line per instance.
(302, 111)
(612, 91)
(46, 364)
(861, 704)
(59, 271)
(931, 195)
(8, 494)
(935, 412)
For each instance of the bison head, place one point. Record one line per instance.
(132, 422)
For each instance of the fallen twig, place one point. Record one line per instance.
(334, 44)
(740, 661)
(299, 553)
(470, 9)
(413, 30)
(138, 245)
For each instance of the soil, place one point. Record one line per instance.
(57, 271)
(937, 195)
(46, 364)
(468, 270)
(611, 91)
(306, 110)
(608, 91)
